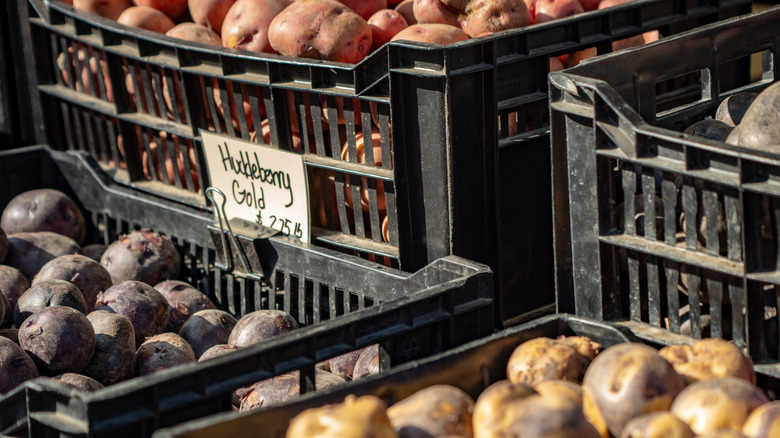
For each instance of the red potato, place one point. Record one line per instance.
(361, 156)
(406, 9)
(556, 64)
(320, 29)
(210, 13)
(431, 33)
(494, 16)
(609, 3)
(435, 11)
(246, 24)
(144, 17)
(590, 5)
(549, 10)
(193, 32)
(169, 169)
(384, 25)
(172, 8)
(111, 9)
(90, 78)
(365, 8)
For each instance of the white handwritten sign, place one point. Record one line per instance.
(263, 185)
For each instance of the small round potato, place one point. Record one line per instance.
(715, 405)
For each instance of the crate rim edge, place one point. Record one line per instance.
(176, 43)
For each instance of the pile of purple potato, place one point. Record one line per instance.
(93, 316)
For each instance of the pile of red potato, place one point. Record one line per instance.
(94, 316)
(344, 30)
(567, 387)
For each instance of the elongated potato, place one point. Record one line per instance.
(707, 359)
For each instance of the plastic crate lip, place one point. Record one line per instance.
(149, 36)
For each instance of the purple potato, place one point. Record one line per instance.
(3, 245)
(28, 252)
(15, 366)
(184, 301)
(733, 108)
(114, 356)
(58, 339)
(368, 362)
(207, 328)
(161, 352)
(94, 251)
(10, 333)
(46, 294)
(143, 256)
(260, 325)
(217, 351)
(79, 381)
(12, 284)
(86, 274)
(146, 308)
(44, 210)
(710, 128)
(344, 365)
(284, 387)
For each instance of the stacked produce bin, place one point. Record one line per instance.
(617, 156)
(669, 280)
(456, 178)
(444, 118)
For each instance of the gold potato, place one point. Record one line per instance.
(657, 425)
(434, 411)
(764, 421)
(356, 417)
(550, 359)
(716, 405)
(707, 359)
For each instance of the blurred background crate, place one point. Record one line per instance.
(616, 155)
(342, 302)
(461, 130)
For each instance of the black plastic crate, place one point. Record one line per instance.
(471, 367)
(343, 303)
(445, 116)
(616, 155)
